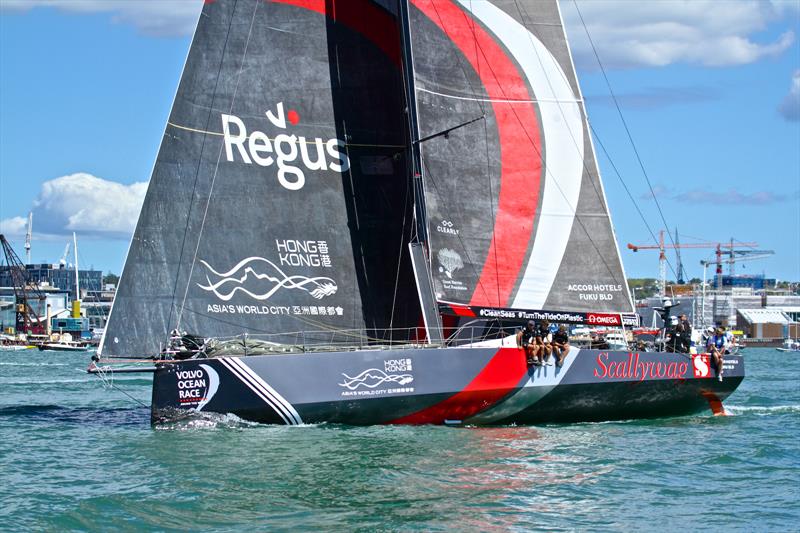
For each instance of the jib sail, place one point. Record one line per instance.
(516, 211)
(279, 194)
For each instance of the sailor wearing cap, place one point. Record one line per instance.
(526, 341)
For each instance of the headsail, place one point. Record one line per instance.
(278, 199)
(516, 210)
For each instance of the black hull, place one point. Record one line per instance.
(459, 386)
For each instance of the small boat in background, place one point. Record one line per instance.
(790, 345)
(63, 342)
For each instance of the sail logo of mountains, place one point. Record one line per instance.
(282, 149)
(260, 278)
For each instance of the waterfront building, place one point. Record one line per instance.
(46, 274)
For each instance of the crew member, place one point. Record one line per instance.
(561, 344)
(685, 335)
(730, 342)
(544, 341)
(716, 347)
(526, 341)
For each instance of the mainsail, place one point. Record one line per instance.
(279, 201)
(517, 216)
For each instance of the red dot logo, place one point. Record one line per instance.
(293, 117)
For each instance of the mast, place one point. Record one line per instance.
(415, 149)
(76, 305)
(418, 246)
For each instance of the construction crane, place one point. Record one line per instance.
(62, 263)
(733, 257)
(722, 248)
(25, 291)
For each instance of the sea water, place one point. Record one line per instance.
(77, 456)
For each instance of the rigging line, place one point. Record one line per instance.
(467, 77)
(399, 254)
(488, 168)
(481, 105)
(219, 157)
(628, 191)
(585, 166)
(491, 205)
(584, 120)
(272, 139)
(111, 385)
(446, 133)
(547, 171)
(624, 122)
(460, 62)
(575, 142)
(497, 100)
(197, 172)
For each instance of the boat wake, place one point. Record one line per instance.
(373, 377)
(252, 270)
(762, 410)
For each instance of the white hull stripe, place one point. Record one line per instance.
(287, 407)
(563, 133)
(543, 380)
(276, 402)
(236, 372)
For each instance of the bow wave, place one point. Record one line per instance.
(373, 377)
(232, 281)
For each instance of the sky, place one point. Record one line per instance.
(709, 91)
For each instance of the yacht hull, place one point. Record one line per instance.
(458, 386)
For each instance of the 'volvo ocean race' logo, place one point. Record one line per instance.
(197, 387)
(257, 147)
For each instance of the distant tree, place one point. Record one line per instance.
(110, 278)
(695, 281)
(645, 287)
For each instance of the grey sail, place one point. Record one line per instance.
(279, 202)
(517, 216)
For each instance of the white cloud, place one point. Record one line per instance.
(13, 226)
(152, 17)
(651, 34)
(790, 107)
(83, 203)
(730, 197)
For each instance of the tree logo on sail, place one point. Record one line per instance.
(449, 262)
(282, 149)
(260, 278)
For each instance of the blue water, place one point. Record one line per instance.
(76, 456)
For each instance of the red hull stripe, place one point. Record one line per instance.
(520, 149)
(361, 16)
(498, 378)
